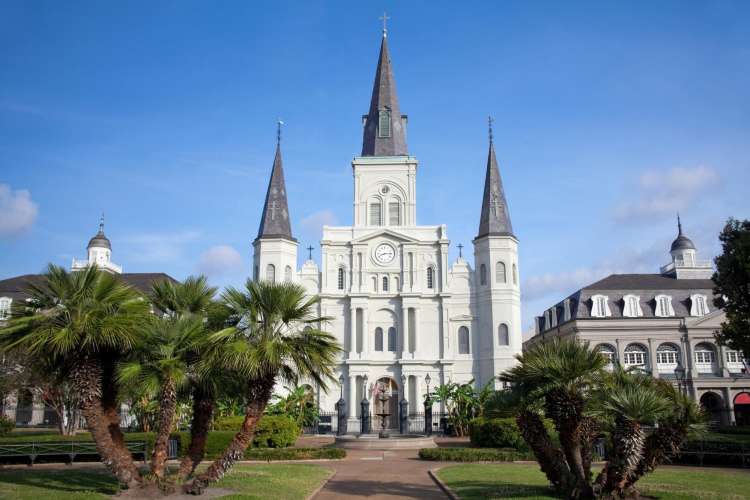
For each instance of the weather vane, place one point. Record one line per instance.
(385, 25)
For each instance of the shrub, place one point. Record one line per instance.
(275, 431)
(6, 426)
(270, 454)
(231, 423)
(472, 455)
(733, 429)
(496, 433)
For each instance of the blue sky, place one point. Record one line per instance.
(610, 117)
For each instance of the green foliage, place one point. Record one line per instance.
(733, 429)
(6, 425)
(472, 455)
(273, 431)
(270, 454)
(732, 280)
(462, 403)
(299, 404)
(496, 433)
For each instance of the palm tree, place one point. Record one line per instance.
(89, 319)
(274, 336)
(562, 375)
(161, 366)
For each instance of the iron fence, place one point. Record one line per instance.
(327, 423)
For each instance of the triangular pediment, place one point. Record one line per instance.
(385, 233)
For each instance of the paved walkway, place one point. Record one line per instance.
(380, 475)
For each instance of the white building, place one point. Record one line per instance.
(400, 309)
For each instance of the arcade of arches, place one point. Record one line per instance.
(718, 413)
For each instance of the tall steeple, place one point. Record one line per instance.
(495, 218)
(274, 222)
(384, 127)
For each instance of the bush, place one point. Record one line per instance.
(472, 455)
(273, 431)
(6, 426)
(232, 423)
(733, 429)
(496, 433)
(270, 454)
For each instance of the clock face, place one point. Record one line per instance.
(384, 253)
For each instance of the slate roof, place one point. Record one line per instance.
(274, 222)
(616, 286)
(682, 242)
(16, 286)
(384, 98)
(100, 240)
(495, 217)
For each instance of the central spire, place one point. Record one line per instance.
(495, 218)
(385, 128)
(274, 222)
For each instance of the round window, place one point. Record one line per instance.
(385, 189)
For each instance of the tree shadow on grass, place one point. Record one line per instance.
(494, 489)
(69, 481)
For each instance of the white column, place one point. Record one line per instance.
(352, 331)
(416, 332)
(405, 325)
(351, 405)
(366, 340)
(652, 357)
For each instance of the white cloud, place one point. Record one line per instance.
(220, 260)
(17, 211)
(560, 284)
(314, 222)
(159, 247)
(661, 193)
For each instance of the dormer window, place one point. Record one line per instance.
(632, 306)
(600, 306)
(664, 307)
(698, 305)
(5, 303)
(384, 123)
(566, 310)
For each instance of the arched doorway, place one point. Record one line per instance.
(742, 408)
(714, 406)
(385, 397)
(24, 407)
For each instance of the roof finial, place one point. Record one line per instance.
(490, 120)
(279, 123)
(101, 224)
(385, 25)
(679, 225)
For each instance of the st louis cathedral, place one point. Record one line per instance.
(402, 312)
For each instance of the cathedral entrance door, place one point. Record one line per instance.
(387, 409)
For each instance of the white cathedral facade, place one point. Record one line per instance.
(399, 308)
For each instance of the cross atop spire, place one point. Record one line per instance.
(384, 126)
(385, 18)
(489, 125)
(279, 123)
(309, 252)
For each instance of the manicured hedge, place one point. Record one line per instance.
(6, 425)
(473, 454)
(496, 433)
(722, 452)
(270, 454)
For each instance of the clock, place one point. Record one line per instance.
(384, 253)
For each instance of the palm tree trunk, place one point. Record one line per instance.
(258, 394)
(167, 405)
(550, 458)
(110, 404)
(87, 378)
(627, 440)
(659, 445)
(589, 431)
(203, 410)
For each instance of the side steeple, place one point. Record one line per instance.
(495, 218)
(384, 126)
(274, 223)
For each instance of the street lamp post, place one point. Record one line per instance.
(341, 409)
(679, 372)
(365, 409)
(403, 408)
(427, 408)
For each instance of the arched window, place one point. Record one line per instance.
(463, 340)
(5, 303)
(515, 274)
(384, 123)
(608, 352)
(394, 213)
(340, 278)
(385, 283)
(502, 335)
(735, 362)
(483, 274)
(698, 305)
(374, 284)
(271, 273)
(635, 356)
(632, 306)
(288, 273)
(378, 339)
(600, 306)
(500, 272)
(705, 358)
(376, 215)
(430, 278)
(392, 339)
(664, 306)
(667, 358)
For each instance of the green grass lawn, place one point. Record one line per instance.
(485, 481)
(277, 481)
